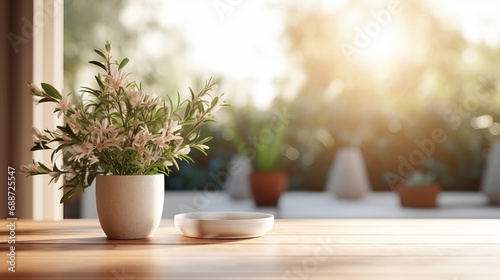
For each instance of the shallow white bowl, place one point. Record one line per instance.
(224, 225)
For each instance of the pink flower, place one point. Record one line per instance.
(184, 150)
(102, 143)
(33, 169)
(145, 134)
(116, 80)
(166, 134)
(80, 151)
(63, 106)
(170, 127)
(35, 90)
(74, 124)
(153, 101)
(136, 98)
(93, 160)
(55, 176)
(201, 146)
(65, 139)
(104, 51)
(141, 149)
(37, 135)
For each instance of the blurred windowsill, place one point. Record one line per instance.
(452, 204)
(303, 204)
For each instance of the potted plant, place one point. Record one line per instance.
(126, 138)
(490, 179)
(348, 178)
(420, 190)
(260, 137)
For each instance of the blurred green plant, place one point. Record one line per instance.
(431, 172)
(381, 106)
(384, 105)
(260, 136)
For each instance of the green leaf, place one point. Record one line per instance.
(170, 102)
(206, 139)
(90, 91)
(209, 121)
(100, 54)
(188, 109)
(123, 63)
(38, 147)
(50, 90)
(43, 166)
(99, 82)
(153, 171)
(98, 64)
(61, 147)
(163, 171)
(201, 150)
(214, 101)
(192, 93)
(209, 83)
(47, 99)
(107, 46)
(67, 129)
(67, 195)
(200, 107)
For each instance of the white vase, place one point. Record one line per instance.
(237, 183)
(348, 177)
(129, 206)
(490, 181)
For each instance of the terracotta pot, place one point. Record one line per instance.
(268, 186)
(418, 196)
(129, 206)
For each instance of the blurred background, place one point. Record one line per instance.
(376, 75)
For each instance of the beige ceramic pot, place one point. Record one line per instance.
(490, 182)
(348, 178)
(129, 206)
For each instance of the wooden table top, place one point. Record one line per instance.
(293, 249)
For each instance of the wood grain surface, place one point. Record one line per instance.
(293, 249)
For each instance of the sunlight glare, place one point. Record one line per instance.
(384, 49)
(263, 94)
(495, 129)
(482, 122)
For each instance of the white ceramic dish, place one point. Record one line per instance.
(224, 225)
